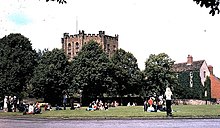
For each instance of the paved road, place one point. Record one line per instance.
(167, 123)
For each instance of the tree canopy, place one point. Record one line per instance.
(213, 4)
(51, 76)
(127, 75)
(17, 61)
(158, 74)
(90, 70)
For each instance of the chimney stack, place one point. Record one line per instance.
(210, 69)
(189, 60)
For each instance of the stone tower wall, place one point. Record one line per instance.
(72, 44)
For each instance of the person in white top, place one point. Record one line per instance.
(31, 109)
(168, 96)
(5, 104)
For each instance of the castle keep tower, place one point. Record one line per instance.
(72, 44)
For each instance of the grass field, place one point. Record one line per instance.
(126, 112)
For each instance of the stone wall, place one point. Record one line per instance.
(191, 102)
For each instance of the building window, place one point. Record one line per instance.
(77, 45)
(69, 46)
(204, 74)
(191, 79)
(114, 47)
(206, 94)
(69, 55)
(108, 48)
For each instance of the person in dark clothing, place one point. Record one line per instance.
(14, 104)
(10, 103)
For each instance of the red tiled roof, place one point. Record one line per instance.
(215, 87)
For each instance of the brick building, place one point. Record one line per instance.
(72, 44)
(215, 85)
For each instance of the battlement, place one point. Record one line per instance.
(66, 35)
(83, 34)
(111, 37)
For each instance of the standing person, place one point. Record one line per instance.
(145, 105)
(9, 104)
(168, 97)
(64, 100)
(14, 104)
(5, 104)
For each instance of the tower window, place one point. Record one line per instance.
(114, 47)
(69, 46)
(77, 45)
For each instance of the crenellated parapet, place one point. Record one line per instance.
(82, 34)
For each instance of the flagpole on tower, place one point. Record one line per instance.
(76, 24)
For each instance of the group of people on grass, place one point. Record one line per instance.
(31, 108)
(97, 105)
(35, 108)
(133, 104)
(153, 104)
(161, 103)
(10, 104)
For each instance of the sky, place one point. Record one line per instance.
(176, 27)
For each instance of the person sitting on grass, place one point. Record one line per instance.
(91, 107)
(154, 106)
(37, 109)
(150, 105)
(47, 107)
(106, 106)
(58, 107)
(150, 102)
(31, 109)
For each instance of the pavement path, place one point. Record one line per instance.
(150, 123)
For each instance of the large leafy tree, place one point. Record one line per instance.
(17, 61)
(212, 4)
(51, 76)
(90, 70)
(127, 75)
(158, 74)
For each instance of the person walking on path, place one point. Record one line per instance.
(168, 97)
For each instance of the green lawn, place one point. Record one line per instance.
(126, 112)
